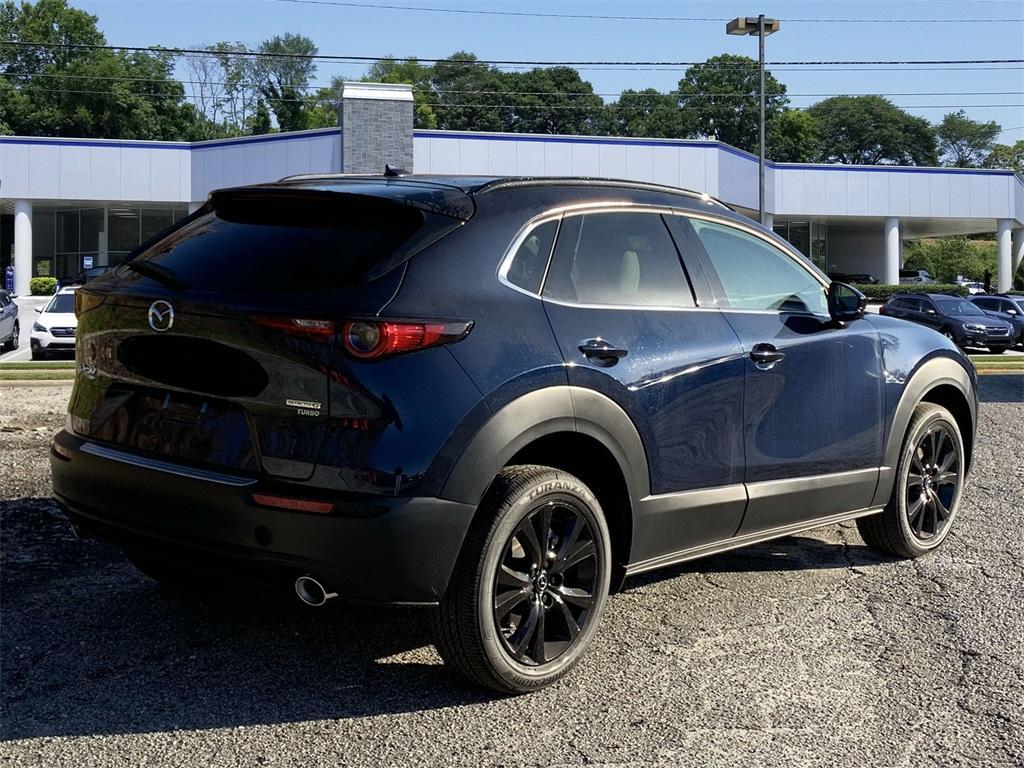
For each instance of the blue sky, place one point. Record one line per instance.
(373, 32)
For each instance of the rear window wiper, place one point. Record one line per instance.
(156, 272)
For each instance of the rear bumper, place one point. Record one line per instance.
(392, 550)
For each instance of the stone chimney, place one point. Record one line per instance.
(376, 127)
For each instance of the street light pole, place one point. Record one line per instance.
(762, 27)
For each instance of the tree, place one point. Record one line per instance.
(872, 130)
(554, 100)
(965, 143)
(259, 121)
(1007, 156)
(470, 96)
(647, 113)
(794, 136)
(85, 92)
(720, 100)
(947, 258)
(241, 73)
(284, 70)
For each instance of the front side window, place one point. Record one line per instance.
(617, 259)
(756, 275)
(531, 259)
(958, 307)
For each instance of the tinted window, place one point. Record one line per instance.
(290, 244)
(985, 303)
(62, 303)
(4, 301)
(756, 275)
(957, 307)
(531, 259)
(623, 259)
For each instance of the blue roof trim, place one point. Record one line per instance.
(265, 138)
(181, 146)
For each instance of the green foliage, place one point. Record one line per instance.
(648, 114)
(948, 257)
(720, 100)
(259, 123)
(42, 286)
(470, 96)
(68, 91)
(284, 76)
(555, 100)
(872, 130)
(1007, 156)
(885, 292)
(794, 136)
(965, 143)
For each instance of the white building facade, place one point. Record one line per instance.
(66, 204)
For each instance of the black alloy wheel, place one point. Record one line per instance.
(544, 588)
(531, 582)
(933, 482)
(926, 493)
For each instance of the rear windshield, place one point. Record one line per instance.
(286, 244)
(62, 303)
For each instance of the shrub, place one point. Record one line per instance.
(884, 292)
(42, 286)
(947, 257)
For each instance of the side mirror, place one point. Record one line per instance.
(845, 302)
(39, 310)
(1012, 312)
(930, 311)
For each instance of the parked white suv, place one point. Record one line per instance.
(54, 331)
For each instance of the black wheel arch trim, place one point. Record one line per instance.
(930, 375)
(544, 412)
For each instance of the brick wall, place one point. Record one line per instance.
(375, 132)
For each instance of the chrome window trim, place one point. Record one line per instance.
(618, 206)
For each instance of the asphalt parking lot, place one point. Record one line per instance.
(809, 651)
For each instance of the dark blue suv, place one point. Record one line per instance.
(494, 397)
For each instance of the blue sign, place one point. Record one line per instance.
(87, 262)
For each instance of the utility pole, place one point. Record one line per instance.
(762, 27)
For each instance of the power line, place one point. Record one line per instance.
(255, 85)
(610, 17)
(489, 105)
(539, 63)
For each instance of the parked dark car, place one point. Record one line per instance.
(861, 278)
(1009, 309)
(496, 398)
(10, 330)
(954, 317)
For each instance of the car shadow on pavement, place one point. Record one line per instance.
(90, 646)
(1001, 388)
(792, 553)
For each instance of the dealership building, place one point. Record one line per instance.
(67, 204)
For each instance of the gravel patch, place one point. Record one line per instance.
(808, 651)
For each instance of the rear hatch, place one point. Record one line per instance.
(214, 345)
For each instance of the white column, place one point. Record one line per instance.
(1016, 249)
(769, 219)
(22, 246)
(1004, 276)
(892, 251)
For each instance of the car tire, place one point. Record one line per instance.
(508, 588)
(11, 342)
(997, 350)
(39, 354)
(933, 459)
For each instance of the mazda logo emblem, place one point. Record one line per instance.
(160, 316)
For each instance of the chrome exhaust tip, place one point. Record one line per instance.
(312, 592)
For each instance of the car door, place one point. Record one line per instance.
(929, 314)
(813, 401)
(629, 327)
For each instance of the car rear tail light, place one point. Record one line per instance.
(322, 330)
(293, 505)
(84, 301)
(374, 339)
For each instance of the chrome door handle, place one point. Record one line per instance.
(765, 356)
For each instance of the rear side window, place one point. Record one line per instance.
(617, 259)
(756, 275)
(288, 243)
(531, 259)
